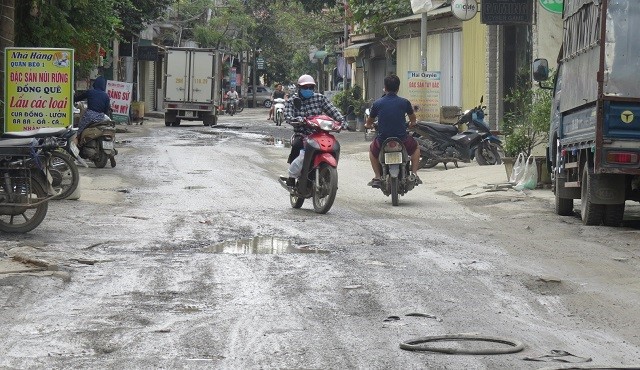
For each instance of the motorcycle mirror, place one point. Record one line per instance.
(297, 103)
(481, 99)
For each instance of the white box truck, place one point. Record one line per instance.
(192, 85)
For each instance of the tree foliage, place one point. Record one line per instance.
(526, 124)
(370, 14)
(82, 24)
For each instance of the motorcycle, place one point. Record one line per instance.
(62, 165)
(489, 151)
(25, 183)
(278, 111)
(97, 141)
(231, 107)
(443, 143)
(318, 162)
(396, 178)
(369, 133)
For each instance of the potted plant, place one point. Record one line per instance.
(526, 124)
(351, 97)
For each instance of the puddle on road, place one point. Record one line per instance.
(260, 245)
(278, 143)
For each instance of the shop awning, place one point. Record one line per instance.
(353, 50)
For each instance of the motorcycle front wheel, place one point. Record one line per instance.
(325, 193)
(296, 201)
(64, 173)
(17, 219)
(488, 155)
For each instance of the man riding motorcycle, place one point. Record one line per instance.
(312, 104)
(98, 103)
(390, 110)
(232, 97)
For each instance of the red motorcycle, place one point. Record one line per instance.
(319, 174)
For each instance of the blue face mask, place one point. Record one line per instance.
(305, 93)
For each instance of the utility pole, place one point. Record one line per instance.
(7, 33)
(423, 42)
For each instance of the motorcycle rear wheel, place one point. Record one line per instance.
(426, 162)
(325, 193)
(65, 174)
(394, 191)
(279, 119)
(31, 216)
(101, 159)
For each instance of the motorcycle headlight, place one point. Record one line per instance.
(325, 124)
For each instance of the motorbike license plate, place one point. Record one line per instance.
(74, 149)
(107, 145)
(393, 158)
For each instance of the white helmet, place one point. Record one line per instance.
(306, 80)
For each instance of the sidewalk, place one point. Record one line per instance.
(472, 180)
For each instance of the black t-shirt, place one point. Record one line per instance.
(278, 94)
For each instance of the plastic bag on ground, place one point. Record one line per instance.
(529, 179)
(518, 169)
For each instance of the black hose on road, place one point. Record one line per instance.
(416, 345)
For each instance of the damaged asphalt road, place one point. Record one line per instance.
(188, 255)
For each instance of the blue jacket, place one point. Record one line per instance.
(97, 98)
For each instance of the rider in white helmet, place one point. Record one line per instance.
(312, 104)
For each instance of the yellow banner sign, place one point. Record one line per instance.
(424, 92)
(38, 88)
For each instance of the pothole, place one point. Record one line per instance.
(277, 142)
(261, 245)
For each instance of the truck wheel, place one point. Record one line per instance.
(170, 117)
(209, 120)
(591, 214)
(613, 214)
(564, 206)
(175, 123)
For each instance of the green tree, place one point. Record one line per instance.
(370, 14)
(526, 124)
(82, 24)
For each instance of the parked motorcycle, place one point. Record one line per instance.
(489, 150)
(278, 111)
(62, 166)
(443, 143)
(25, 183)
(396, 177)
(319, 161)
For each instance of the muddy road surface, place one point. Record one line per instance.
(188, 254)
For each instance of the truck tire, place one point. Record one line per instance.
(209, 120)
(592, 214)
(564, 206)
(170, 117)
(613, 215)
